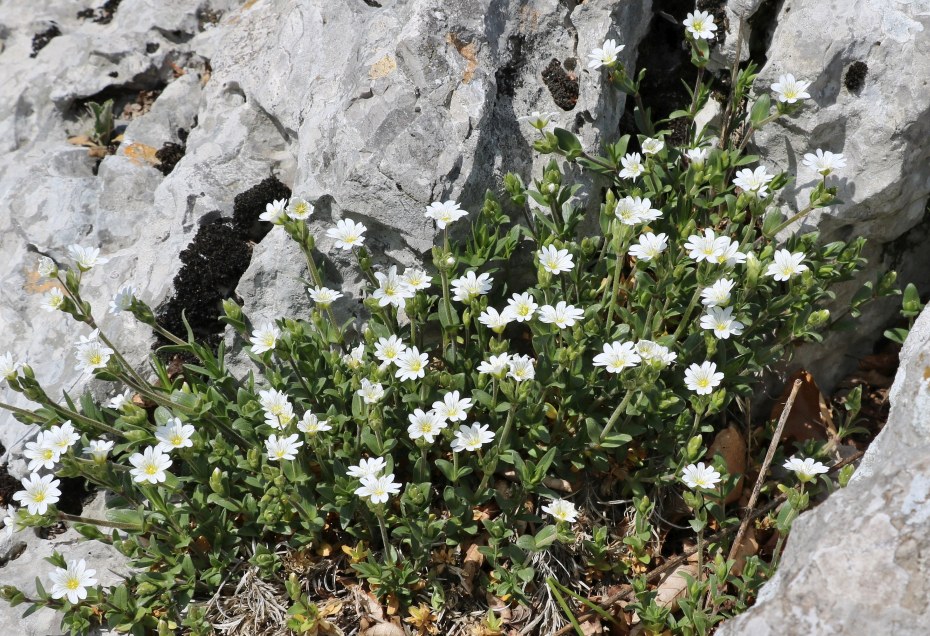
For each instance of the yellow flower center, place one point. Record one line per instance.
(72, 583)
(151, 469)
(703, 383)
(177, 440)
(39, 497)
(96, 359)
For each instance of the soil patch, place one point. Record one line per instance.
(562, 85)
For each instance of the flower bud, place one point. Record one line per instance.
(218, 482)
(254, 458)
(753, 270)
(232, 310)
(818, 318)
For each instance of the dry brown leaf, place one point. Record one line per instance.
(810, 417)
(471, 566)
(592, 627)
(97, 152)
(675, 586)
(747, 547)
(81, 140)
(731, 446)
(384, 629)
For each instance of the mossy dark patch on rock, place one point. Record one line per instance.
(101, 15)
(249, 205)
(854, 79)
(506, 75)
(562, 86)
(214, 262)
(170, 153)
(41, 39)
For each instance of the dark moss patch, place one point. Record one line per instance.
(214, 262)
(562, 85)
(506, 75)
(854, 79)
(170, 153)
(249, 205)
(41, 39)
(100, 15)
(8, 486)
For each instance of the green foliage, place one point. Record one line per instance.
(102, 132)
(565, 429)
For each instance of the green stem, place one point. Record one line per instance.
(800, 215)
(614, 288)
(16, 409)
(103, 523)
(384, 534)
(616, 415)
(685, 317)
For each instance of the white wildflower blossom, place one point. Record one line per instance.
(703, 378)
(283, 448)
(425, 425)
(417, 279)
(562, 315)
(174, 434)
(54, 300)
(453, 407)
(718, 294)
(470, 286)
(786, 265)
(753, 181)
(347, 234)
(521, 307)
(392, 290)
(790, 90)
(606, 55)
(99, 450)
(311, 424)
(444, 213)
(411, 364)
(721, 321)
(324, 296)
(824, 162)
(299, 209)
(72, 582)
(86, 258)
(370, 392)
(617, 356)
(472, 438)
(496, 366)
(265, 338)
(495, 320)
(650, 246)
(561, 510)
(275, 212)
(387, 350)
(652, 146)
(378, 489)
(632, 166)
(698, 476)
(38, 493)
(367, 468)
(700, 25)
(150, 466)
(554, 260)
(122, 300)
(806, 469)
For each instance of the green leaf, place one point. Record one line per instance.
(760, 110)
(568, 143)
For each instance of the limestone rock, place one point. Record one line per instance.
(856, 563)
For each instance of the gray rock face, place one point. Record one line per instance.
(857, 564)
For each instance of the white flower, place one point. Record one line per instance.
(617, 356)
(46, 267)
(697, 156)
(444, 213)
(10, 521)
(521, 368)
(561, 510)
(554, 260)
(824, 161)
(378, 489)
(721, 320)
(311, 424)
(53, 300)
(472, 438)
(39, 493)
(628, 211)
(347, 234)
(452, 407)
(606, 55)
(99, 449)
(496, 366)
(789, 90)
(86, 257)
(61, 438)
(786, 265)
(652, 146)
(150, 465)
(562, 315)
(91, 355)
(41, 454)
(72, 582)
(265, 338)
(387, 350)
(521, 307)
(632, 166)
(278, 409)
(411, 364)
(806, 469)
(355, 357)
(726, 252)
(425, 424)
(118, 400)
(122, 300)
(703, 378)
(650, 246)
(646, 211)
(538, 120)
(392, 290)
(653, 352)
(417, 279)
(299, 209)
(700, 476)
(174, 434)
(8, 367)
(367, 468)
(470, 286)
(284, 448)
(753, 181)
(274, 212)
(492, 319)
(700, 24)
(718, 294)
(371, 392)
(324, 296)
(703, 248)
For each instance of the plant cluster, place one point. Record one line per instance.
(546, 433)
